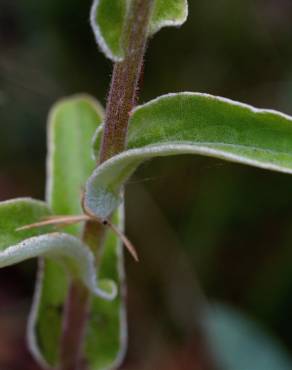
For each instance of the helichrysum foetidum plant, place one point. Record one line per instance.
(78, 312)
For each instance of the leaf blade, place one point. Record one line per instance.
(46, 315)
(18, 212)
(71, 124)
(67, 253)
(62, 252)
(76, 256)
(107, 21)
(193, 123)
(168, 13)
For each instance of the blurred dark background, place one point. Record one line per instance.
(206, 230)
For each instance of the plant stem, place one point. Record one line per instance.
(121, 100)
(126, 74)
(77, 308)
(75, 318)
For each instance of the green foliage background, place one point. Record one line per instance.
(226, 224)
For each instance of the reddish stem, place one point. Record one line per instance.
(126, 74)
(121, 101)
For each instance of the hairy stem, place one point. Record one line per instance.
(75, 317)
(77, 308)
(121, 100)
(126, 74)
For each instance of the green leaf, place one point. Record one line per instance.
(72, 123)
(106, 341)
(106, 336)
(107, 21)
(72, 255)
(196, 124)
(71, 126)
(61, 251)
(68, 252)
(239, 344)
(168, 13)
(19, 212)
(108, 18)
(75, 256)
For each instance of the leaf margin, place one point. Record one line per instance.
(99, 38)
(171, 23)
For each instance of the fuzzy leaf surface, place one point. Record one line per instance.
(168, 13)
(70, 251)
(108, 18)
(71, 254)
(71, 126)
(193, 123)
(239, 344)
(102, 347)
(19, 212)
